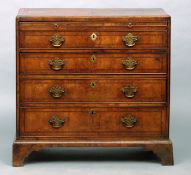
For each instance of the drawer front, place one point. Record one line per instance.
(94, 90)
(63, 63)
(119, 122)
(92, 26)
(128, 40)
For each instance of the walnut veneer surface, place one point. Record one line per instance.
(93, 78)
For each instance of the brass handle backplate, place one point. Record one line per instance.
(130, 24)
(129, 91)
(129, 63)
(56, 121)
(56, 40)
(130, 40)
(56, 64)
(129, 121)
(56, 25)
(56, 91)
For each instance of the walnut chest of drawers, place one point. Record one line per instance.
(93, 78)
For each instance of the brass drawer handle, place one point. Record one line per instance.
(129, 63)
(130, 40)
(129, 121)
(56, 40)
(56, 121)
(56, 91)
(129, 91)
(56, 64)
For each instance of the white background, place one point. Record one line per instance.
(180, 97)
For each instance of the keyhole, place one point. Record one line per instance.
(92, 112)
(93, 84)
(93, 59)
(93, 36)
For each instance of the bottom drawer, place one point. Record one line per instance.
(93, 122)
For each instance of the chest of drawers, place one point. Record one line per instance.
(93, 78)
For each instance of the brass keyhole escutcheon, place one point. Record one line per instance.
(93, 36)
(93, 58)
(93, 84)
(92, 112)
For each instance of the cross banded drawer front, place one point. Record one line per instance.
(83, 90)
(109, 63)
(80, 122)
(91, 26)
(127, 40)
(93, 78)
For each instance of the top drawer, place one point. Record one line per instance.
(130, 35)
(92, 26)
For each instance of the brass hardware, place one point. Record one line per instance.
(93, 36)
(129, 121)
(92, 112)
(130, 24)
(56, 64)
(93, 84)
(130, 40)
(129, 91)
(93, 58)
(56, 25)
(56, 91)
(56, 40)
(129, 63)
(56, 121)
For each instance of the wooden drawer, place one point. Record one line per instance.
(91, 63)
(115, 122)
(78, 39)
(92, 26)
(104, 89)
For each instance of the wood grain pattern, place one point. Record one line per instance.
(93, 14)
(102, 128)
(94, 26)
(80, 39)
(106, 90)
(161, 147)
(108, 63)
(80, 122)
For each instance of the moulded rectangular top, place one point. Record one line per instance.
(86, 14)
